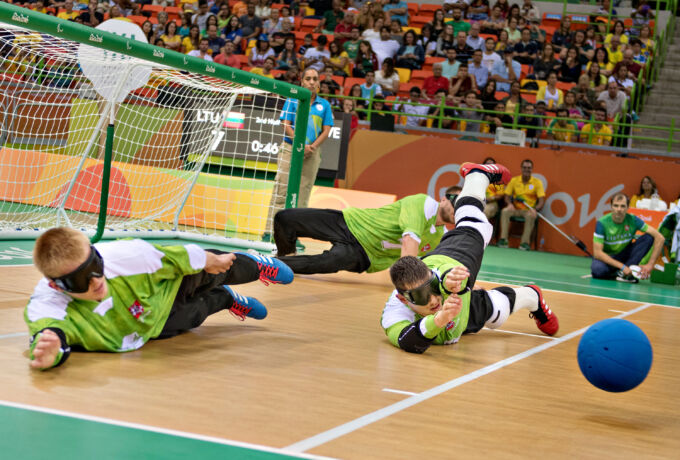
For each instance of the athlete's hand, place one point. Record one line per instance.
(45, 351)
(454, 279)
(645, 270)
(450, 309)
(218, 263)
(627, 270)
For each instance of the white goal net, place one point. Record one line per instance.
(57, 101)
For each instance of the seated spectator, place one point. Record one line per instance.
(227, 56)
(526, 49)
(445, 41)
(524, 196)
(349, 108)
(473, 40)
(537, 34)
(351, 46)
(505, 72)
(285, 15)
(470, 110)
(365, 61)
(499, 118)
(68, 13)
(463, 82)
(529, 11)
(477, 69)
(546, 62)
(203, 50)
(251, 25)
(427, 40)
(638, 56)
(613, 248)
(325, 88)
(339, 60)
(91, 17)
(149, 33)
(266, 69)
(641, 17)
(435, 81)
(159, 43)
(621, 79)
(494, 23)
(288, 57)
(397, 11)
(451, 65)
(596, 80)
(260, 52)
(215, 42)
(449, 111)
(488, 96)
(530, 124)
(307, 43)
(503, 43)
(633, 67)
(550, 94)
(343, 32)
(388, 78)
(647, 190)
(172, 40)
(613, 99)
(370, 89)
(317, 57)
(277, 40)
(331, 18)
(617, 31)
(597, 133)
(584, 51)
(570, 69)
(191, 41)
(437, 25)
(410, 55)
(514, 99)
(416, 112)
(360, 104)
(514, 34)
(223, 16)
(374, 32)
(478, 10)
(602, 59)
(186, 25)
(648, 45)
(615, 51)
(232, 32)
(575, 111)
(562, 36)
(328, 78)
(489, 56)
(457, 23)
(385, 47)
(585, 95)
(561, 128)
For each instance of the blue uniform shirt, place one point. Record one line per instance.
(320, 115)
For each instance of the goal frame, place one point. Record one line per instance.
(43, 23)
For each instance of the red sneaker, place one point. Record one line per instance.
(497, 174)
(545, 319)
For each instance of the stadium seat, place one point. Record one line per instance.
(309, 24)
(526, 70)
(351, 81)
(174, 12)
(404, 74)
(153, 9)
(277, 6)
(404, 89)
(564, 86)
(420, 74)
(579, 22)
(419, 21)
(339, 80)
(430, 61)
(551, 19)
(529, 96)
(412, 9)
(139, 20)
(417, 30)
(428, 10)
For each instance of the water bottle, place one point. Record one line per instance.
(654, 204)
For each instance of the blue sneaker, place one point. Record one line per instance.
(271, 270)
(243, 306)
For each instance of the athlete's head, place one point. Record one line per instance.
(417, 286)
(619, 205)
(446, 211)
(65, 257)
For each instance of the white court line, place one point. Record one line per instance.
(385, 412)
(14, 334)
(617, 311)
(154, 429)
(524, 333)
(390, 390)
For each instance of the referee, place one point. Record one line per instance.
(318, 127)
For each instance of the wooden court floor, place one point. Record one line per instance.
(318, 377)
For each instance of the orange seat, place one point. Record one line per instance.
(530, 97)
(419, 21)
(564, 86)
(579, 22)
(309, 24)
(428, 9)
(412, 8)
(174, 12)
(139, 20)
(277, 6)
(551, 19)
(430, 61)
(154, 9)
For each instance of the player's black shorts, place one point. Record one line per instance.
(466, 245)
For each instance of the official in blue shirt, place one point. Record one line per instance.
(318, 128)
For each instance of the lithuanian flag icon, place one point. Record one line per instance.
(234, 120)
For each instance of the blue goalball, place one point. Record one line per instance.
(615, 355)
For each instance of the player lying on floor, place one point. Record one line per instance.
(434, 302)
(116, 296)
(363, 239)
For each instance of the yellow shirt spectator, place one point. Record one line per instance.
(601, 136)
(260, 71)
(529, 192)
(68, 16)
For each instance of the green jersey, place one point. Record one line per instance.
(397, 315)
(615, 237)
(142, 280)
(351, 48)
(380, 230)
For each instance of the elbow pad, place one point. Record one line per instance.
(64, 351)
(412, 340)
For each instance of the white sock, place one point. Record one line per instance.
(475, 185)
(501, 309)
(525, 297)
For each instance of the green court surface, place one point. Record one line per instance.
(66, 437)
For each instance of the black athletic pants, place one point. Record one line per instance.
(202, 295)
(320, 224)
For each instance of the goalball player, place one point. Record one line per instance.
(363, 239)
(116, 296)
(434, 302)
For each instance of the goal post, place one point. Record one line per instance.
(104, 132)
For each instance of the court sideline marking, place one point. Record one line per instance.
(392, 409)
